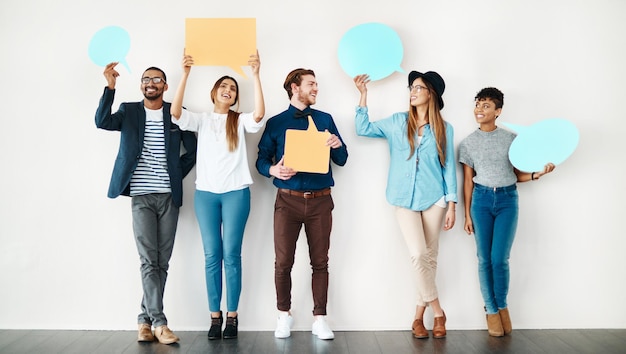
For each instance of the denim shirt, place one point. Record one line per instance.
(410, 184)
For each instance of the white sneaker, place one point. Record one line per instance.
(321, 328)
(283, 325)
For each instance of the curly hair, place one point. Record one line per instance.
(492, 94)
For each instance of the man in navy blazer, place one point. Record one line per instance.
(149, 168)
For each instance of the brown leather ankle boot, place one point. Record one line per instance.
(506, 321)
(494, 325)
(439, 327)
(419, 331)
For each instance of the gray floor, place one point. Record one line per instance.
(467, 342)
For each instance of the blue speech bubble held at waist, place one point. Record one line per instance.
(551, 140)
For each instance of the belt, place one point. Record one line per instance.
(306, 194)
(512, 187)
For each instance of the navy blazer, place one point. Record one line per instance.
(130, 120)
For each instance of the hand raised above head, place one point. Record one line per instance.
(187, 62)
(111, 74)
(255, 62)
(361, 82)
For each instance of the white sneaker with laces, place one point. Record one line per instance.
(321, 328)
(283, 325)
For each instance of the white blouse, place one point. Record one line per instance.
(219, 170)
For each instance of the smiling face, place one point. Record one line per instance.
(306, 93)
(150, 90)
(225, 92)
(419, 93)
(485, 112)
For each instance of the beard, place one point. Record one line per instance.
(152, 96)
(306, 98)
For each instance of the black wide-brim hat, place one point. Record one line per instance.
(434, 79)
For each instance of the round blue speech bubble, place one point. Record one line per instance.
(108, 45)
(550, 140)
(374, 49)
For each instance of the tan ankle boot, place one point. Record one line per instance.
(494, 325)
(439, 328)
(506, 321)
(419, 331)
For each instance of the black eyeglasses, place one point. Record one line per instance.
(156, 80)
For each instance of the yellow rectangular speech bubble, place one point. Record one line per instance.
(306, 150)
(221, 41)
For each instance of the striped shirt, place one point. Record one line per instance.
(151, 175)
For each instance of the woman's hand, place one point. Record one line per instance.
(469, 225)
(549, 167)
(187, 63)
(255, 63)
(450, 218)
(361, 82)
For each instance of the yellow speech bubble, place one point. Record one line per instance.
(221, 41)
(306, 150)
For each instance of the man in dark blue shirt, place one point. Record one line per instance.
(302, 198)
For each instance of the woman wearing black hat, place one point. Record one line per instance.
(421, 182)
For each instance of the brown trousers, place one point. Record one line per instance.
(290, 213)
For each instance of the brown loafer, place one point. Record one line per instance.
(145, 333)
(419, 331)
(439, 327)
(494, 325)
(165, 335)
(506, 321)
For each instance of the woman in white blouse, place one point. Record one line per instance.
(222, 197)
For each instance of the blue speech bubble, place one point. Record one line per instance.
(550, 140)
(374, 49)
(108, 45)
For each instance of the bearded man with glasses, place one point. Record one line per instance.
(149, 168)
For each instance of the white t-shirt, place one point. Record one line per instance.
(219, 170)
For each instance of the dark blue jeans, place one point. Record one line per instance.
(494, 213)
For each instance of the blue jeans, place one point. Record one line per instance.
(154, 224)
(494, 213)
(222, 219)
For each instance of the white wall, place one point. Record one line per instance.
(67, 254)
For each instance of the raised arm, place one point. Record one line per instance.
(259, 102)
(177, 104)
(105, 118)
